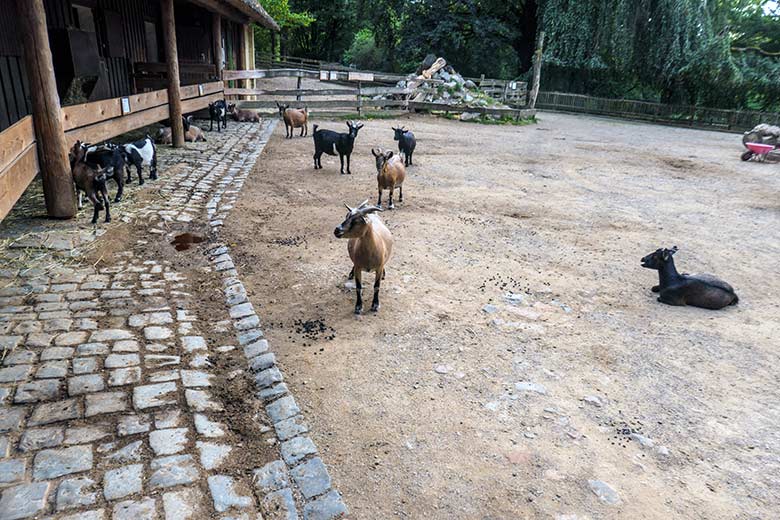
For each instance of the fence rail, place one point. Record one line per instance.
(700, 117)
(91, 122)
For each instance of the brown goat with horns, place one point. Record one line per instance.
(294, 118)
(390, 174)
(370, 246)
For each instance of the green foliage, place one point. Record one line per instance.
(285, 17)
(363, 53)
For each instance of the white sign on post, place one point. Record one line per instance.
(125, 105)
(361, 76)
(513, 85)
(324, 75)
(200, 90)
(334, 75)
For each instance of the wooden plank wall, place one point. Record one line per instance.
(90, 122)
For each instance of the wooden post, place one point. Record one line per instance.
(298, 87)
(172, 59)
(274, 38)
(360, 98)
(537, 72)
(58, 191)
(216, 36)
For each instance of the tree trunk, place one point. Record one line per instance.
(172, 59)
(537, 72)
(58, 190)
(216, 36)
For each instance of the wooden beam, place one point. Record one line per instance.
(225, 11)
(58, 189)
(537, 72)
(15, 179)
(14, 139)
(172, 59)
(216, 40)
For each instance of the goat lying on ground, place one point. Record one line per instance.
(328, 141)
(90, 180)
(294, 118)
(698, 290)
(110, 159)
(370, 246)
(241, 115)
(218, 113)
(390, 174)
(192, 133)
(406, 143)
(139, 154)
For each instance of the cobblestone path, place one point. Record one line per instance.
(128, 393)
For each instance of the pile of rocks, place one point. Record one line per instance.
(437, 82)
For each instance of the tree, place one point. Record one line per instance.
(285, 17)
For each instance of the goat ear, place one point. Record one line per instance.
(359, 126)
(389, 154)
(375, 153)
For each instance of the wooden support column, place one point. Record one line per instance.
(537, 72)
(58, 191)
(216, 35)
(274, 43)
(172, 59)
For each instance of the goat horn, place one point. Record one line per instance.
(370, 209)
(363, 204)
(350, 209)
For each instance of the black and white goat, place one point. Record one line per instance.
(218, 113)
(139, 154)
(111, 161)
(406, 143)
(330, 142)
(89, 180)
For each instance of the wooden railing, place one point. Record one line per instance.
(685, 115)
(90, 122)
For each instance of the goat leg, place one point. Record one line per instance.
(140, 170)
(351, 273)
(349, 172)
(358, 291)
(341, 158)
(301, 132)
(129, 174)
(375, 303)
(379, 200)
(656, 288)
(390, 204)
(81, 195)
(400, 193)
(153, 167)
(105, 198)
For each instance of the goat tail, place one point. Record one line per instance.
(315, 128)
(735, 300)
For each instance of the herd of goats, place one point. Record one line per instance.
(370, 241)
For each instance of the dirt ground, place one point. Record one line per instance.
(417, 410)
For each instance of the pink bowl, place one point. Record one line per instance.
(759, 148)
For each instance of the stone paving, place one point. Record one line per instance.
(108, 406)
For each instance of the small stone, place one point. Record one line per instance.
(158, 360)
(225, 496)
(212, 455)
(201, 401)
(326, 507)
(604, 491)
(36, 438)
(19, 357)
(296, 449)
(157, 333)
(153, 318)
(53, 369)
(173, 471)
(23, 501)
(15, 373)
(121, 360)
(51, 464)
(527, 386)
(271, 477)
(149, 396)
(126, 345)
(489, 309)
(441, 369)
(124, 481)
(70, 339)
(124, 376)
(250, 322)
(663, 451)
(268, 377)
(262, 362)
(248, 336)
(12, 470)
(195, 378)
(75, 492)
(168, 442)
(97, 514)
(281, 503)
(57, 353)
(48, 413)
(85, 384)
(39, 339)
(289, 428)
(167, 419)
(132, 424)
(41, 390)
(312, 477)
(272, 392)
(183, 505)
(135, 510)
(129, 453)
(241, 310)
(85, 365)
(191, 343)
(645, 442)
(92, 349)
(105, 402)
(208, 428)
(256, 348)
(592, 399)
(282, 409)
(84, 434)
(109, 335)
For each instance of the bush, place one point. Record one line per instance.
(363, 52)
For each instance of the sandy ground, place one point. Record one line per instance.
(417, 409)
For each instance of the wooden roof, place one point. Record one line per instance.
(242, 11)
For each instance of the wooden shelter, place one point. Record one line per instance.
(99, 68)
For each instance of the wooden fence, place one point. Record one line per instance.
(357, 93)
(90, 122)
(700, 117)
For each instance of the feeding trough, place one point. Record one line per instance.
(759, 151)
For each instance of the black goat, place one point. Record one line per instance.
(406, 143)
(218, 113)
(698, 290)
(110, 159)
(329, 142)
(90, 180)
(139, 154)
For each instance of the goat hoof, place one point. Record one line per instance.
(108, 220)
(117, 200)
(358, 310)
(374, 308)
